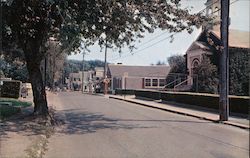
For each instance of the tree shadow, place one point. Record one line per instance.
(25, 123)
(78, 122)
(71, 121)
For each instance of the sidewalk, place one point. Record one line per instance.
(20, 136)
(188, 110)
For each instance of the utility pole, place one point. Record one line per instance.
(224, 62)
(105, 70)
(83, 70)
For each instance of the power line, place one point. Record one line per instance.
(145, 47)
(220, 8)
(153, 38)
(208, 7)
(130, 54)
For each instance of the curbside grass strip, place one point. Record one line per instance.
(10, 106)
(183, 113)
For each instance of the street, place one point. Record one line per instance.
(96, 127)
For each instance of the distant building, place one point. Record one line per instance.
(75, 82)
(137, 77)
(98, 73)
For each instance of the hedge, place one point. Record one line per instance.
(7, 111)
(150, 94)
(16, 102)
(124, 92)
(10, 89)
(238, 104)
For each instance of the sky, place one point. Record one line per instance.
(162, 48)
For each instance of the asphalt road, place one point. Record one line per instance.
(98, 127)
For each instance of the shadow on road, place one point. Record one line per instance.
(78, 122)
(82, 122)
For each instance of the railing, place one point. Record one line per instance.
(173, 82)
(181, 83)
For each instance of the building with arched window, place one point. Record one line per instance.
(209, 41)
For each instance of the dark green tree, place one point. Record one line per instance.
(177, 64)
(239, 70)
(27, 26)
(207, 76)
(160, 63)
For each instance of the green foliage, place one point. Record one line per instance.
(238, 104)
(2, 74)
(177, 64)
(10, 89)
(16, 70)
(16, 102)
(113, 23)
(28, 25)
(7, 111)
(239, 72)
(76, 66)
(149, 94)
(160, 63)
(124, 92)
(207, 76)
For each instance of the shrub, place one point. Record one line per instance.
(7, 111)
(16, 102)
(125, 92)
(10, 89)
(150, 94)
(238, 104)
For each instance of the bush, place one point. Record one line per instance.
(125, 92)
(16, 102)
(14, 107)
(238, 104)
(150, 94)
(10, 89)
(7, 111)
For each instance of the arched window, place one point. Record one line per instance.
(195, 64)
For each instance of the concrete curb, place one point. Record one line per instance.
(186, 114)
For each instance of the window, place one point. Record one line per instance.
(155, 82)
(148, 82)
(162, 82)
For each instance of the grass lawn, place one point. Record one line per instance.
(13, 107)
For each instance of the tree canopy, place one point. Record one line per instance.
(208, 81)
(28, 25)
(177, 64)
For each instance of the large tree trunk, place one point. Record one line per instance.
(38, 88)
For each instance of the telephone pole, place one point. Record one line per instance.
(83, 70)
(105, 71)
(224, 62)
